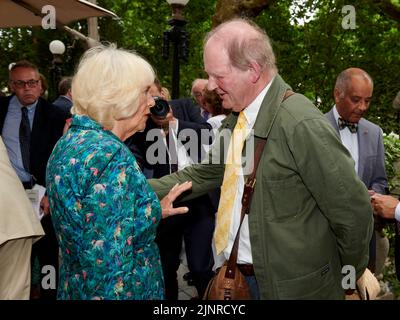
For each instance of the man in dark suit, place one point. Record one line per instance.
(64, 100)
(30, 127)
(198, 226)
(363, 139)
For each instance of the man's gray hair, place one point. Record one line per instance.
(64, 85)
(345, 76)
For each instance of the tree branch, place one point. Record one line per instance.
(90, 42)
(228, 9)
(388, 8)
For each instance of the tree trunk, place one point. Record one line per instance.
(390, 9)
(228, 9)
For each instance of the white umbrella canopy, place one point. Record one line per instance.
(21, 13)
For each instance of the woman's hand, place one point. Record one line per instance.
(166, 203)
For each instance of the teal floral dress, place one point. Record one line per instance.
(105, 216)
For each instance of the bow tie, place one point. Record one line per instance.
(353, 127)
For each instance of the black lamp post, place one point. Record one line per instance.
(57, 48)
(178, 36)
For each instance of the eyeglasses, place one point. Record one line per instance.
(20, 84)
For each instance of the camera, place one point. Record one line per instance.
(160, 109)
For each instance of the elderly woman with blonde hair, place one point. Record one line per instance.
(104, 212)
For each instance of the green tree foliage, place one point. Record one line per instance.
(33, 44)
(311, 55)
(141, 28)
(392, 161)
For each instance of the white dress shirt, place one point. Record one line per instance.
(183, 159)
(244, 253)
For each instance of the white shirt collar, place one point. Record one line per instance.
(14, 100)
(337, 116)
(251, 111)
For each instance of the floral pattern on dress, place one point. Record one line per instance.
(105, 216)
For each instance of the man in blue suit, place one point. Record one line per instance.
(363, 139)
(64, 100)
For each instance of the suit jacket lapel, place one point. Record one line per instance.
(39, 121)
(331, 118)
(4, 102)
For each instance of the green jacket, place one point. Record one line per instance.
(310, 214)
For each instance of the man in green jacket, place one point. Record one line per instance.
(310, 215)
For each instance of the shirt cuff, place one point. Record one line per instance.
(397, 212)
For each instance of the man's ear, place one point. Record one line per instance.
(11, 87)
(255, 71)
(336, 95)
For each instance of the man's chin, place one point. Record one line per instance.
(355, 120)
(226, 104)
(29, 102)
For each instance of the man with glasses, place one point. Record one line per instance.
(30, 127)
(198, 88)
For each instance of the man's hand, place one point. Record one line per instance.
(67, 125)
(167, 202)
(384, 205)
(368, 286)
(45, 205)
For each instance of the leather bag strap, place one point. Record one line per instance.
(246, 199)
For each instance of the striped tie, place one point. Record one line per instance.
(229, 185)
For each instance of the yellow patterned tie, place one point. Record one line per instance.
(229, 185)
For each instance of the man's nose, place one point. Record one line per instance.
(211, 84)
(363, 106)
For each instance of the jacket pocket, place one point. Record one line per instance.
(283, 198)
(319, 284)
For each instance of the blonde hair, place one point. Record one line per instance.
(165, 93)
(108, 83)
